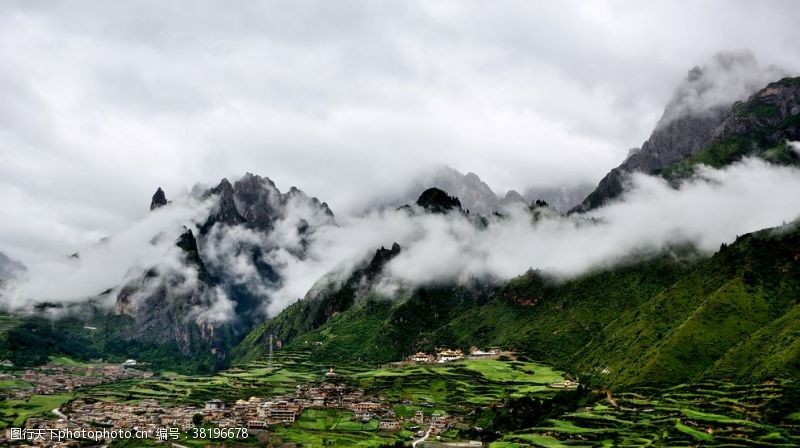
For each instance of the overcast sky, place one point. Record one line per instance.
(102, 102)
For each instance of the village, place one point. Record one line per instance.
(255, 414)
(161, 421)
(449, 355)
(53, 379)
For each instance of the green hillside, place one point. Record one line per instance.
(733, 316)
(662, 319)
(89, 333)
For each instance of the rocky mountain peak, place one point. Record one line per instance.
(513, 197)
(226, 268)
(703, 109)
(437, 201)
(716, 85)
(225, 209)
(159, 199)
(379, 260)
(775, 107)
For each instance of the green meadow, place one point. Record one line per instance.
(461, 384)
(711, 413)
(14, 413)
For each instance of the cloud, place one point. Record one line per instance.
(712, 208)
(795, 147)
(729, 77)
(220, 309)
(142, 94)
(110, 262)
(347, 102)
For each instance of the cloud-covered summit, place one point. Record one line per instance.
(711, 88)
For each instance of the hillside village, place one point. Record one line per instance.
(52, 379)
(255, 413)
(444, 355)
(162, 419)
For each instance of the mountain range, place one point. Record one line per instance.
(666, 316)
(715, 134)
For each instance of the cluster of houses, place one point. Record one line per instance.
(567, 384)
(450, 355)
(147, 415)
(254, 413)
(437, 422)
(53, 379)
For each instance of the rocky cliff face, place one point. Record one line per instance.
(771, 114)
(227, 267)
(334, 293)
(674, 141)
(701, 113)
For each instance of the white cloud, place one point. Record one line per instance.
(730, 76)
(110, 262)
(347, 101)
(339, 100)
(712, 208)
(706, 211)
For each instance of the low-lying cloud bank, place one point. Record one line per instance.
(712, 208)
(108, 263)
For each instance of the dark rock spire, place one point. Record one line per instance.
(159, 199)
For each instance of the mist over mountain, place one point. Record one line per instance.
(562, 198)
(400, 224)
(694, 117)
(474, 194)
(204, 268)
(477, 196)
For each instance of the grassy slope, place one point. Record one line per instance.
(551, 320)
(733, 316)
(373, 330)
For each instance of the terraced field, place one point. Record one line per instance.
(462, 385)
(290, 368)
(709, 414)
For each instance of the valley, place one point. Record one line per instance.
(492, 402)
(663, 310)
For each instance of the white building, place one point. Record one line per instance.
(215, 405)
